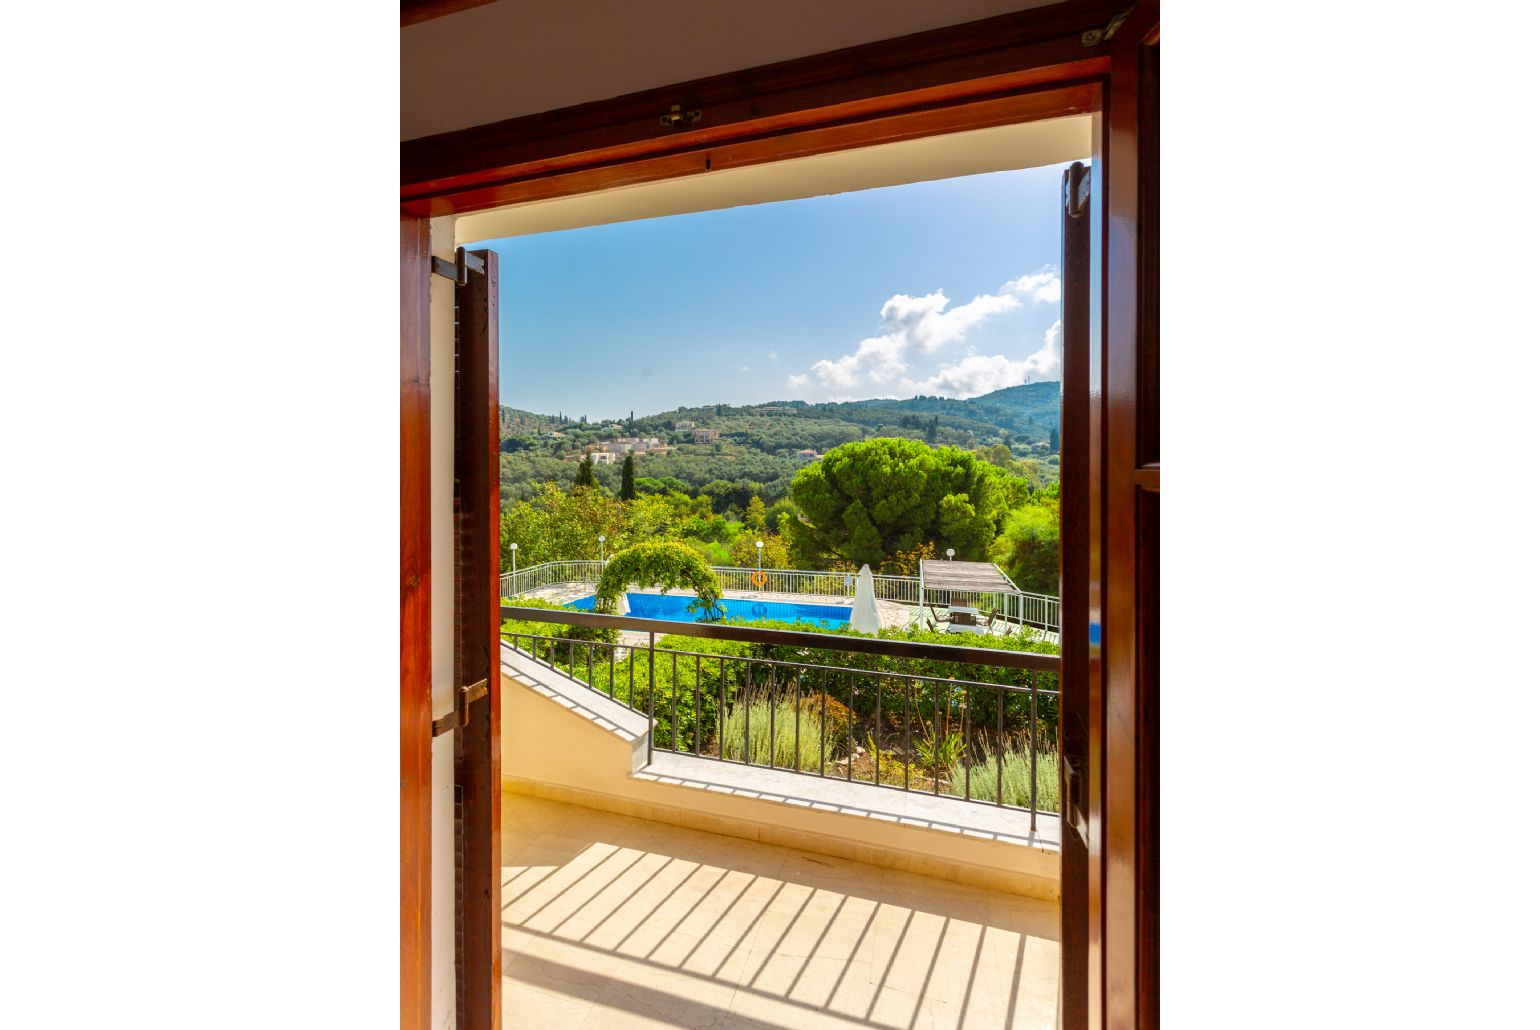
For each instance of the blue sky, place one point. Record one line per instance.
(946, 287)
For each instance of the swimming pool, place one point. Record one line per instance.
(673, 608)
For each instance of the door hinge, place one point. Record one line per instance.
(460, 268)
(677, 116)
(461, 716)
(1077, 190)
(1074, 802)
(1091, 37)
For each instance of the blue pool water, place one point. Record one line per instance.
(672, 608)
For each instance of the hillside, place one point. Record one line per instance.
(758, 445)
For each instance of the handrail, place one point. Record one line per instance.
(794, 638)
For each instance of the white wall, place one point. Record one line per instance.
(520, 57)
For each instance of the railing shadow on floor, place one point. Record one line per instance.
(640, 910)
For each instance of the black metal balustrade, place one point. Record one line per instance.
(864, 705)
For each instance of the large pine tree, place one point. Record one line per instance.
(628, 478)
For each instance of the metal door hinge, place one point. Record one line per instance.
(1091, 37)
(461, 716)
(1074, 802)
(460, 268)
(1077, 190)
(677, 116)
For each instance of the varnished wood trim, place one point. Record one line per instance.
(994, 57)
(1148, 478)
(1128, 613)
(1028, 105)
(415, 11)
(416, 633)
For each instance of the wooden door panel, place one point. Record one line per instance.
(478, 775)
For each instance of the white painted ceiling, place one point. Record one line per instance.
(518, 57)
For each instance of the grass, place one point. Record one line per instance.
(1015, 779)
(791, 749)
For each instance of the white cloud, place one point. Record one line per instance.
(980, 373)
(774, 356)
(919, 326)
(1042, 286)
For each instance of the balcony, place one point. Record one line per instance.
(717, 825)
(616, 921)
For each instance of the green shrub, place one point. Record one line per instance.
(552, 629)
(926, 698)
(938, 752)
(791, 749)
(1015, 780)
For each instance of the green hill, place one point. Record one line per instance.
(759, 443)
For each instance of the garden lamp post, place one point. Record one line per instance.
(601, 548)
(513, 561)
(759, 549)
(949, 553)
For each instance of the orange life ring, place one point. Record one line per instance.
(759, 578)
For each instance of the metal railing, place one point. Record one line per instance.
(823, 584)
(889, 714)
(551, 573)
(1025, 609)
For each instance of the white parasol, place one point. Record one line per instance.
(863, 614)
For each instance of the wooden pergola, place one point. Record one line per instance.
(971, 577)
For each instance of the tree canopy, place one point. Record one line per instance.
(867, 501)
(1028, 549)
(585, 473)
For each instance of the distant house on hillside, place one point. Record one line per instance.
(705, 436)
(630, 444)
(604, 457)
(807, 454)
(684, 425)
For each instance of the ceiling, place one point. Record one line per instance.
(518, 57)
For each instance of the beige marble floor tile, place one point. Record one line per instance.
(525, 1008)
(635, 1006)
(619, 922)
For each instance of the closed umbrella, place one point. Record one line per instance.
(863, 614)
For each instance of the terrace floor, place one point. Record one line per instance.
(613, 921)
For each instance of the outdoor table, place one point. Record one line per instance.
(962, 619)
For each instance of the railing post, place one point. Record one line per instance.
(652, 692)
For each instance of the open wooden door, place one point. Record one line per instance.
(1075, 703)
(478, 774)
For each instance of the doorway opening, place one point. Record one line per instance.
(637, 410)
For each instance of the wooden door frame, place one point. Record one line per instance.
(1047, 62)
(416, 631)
